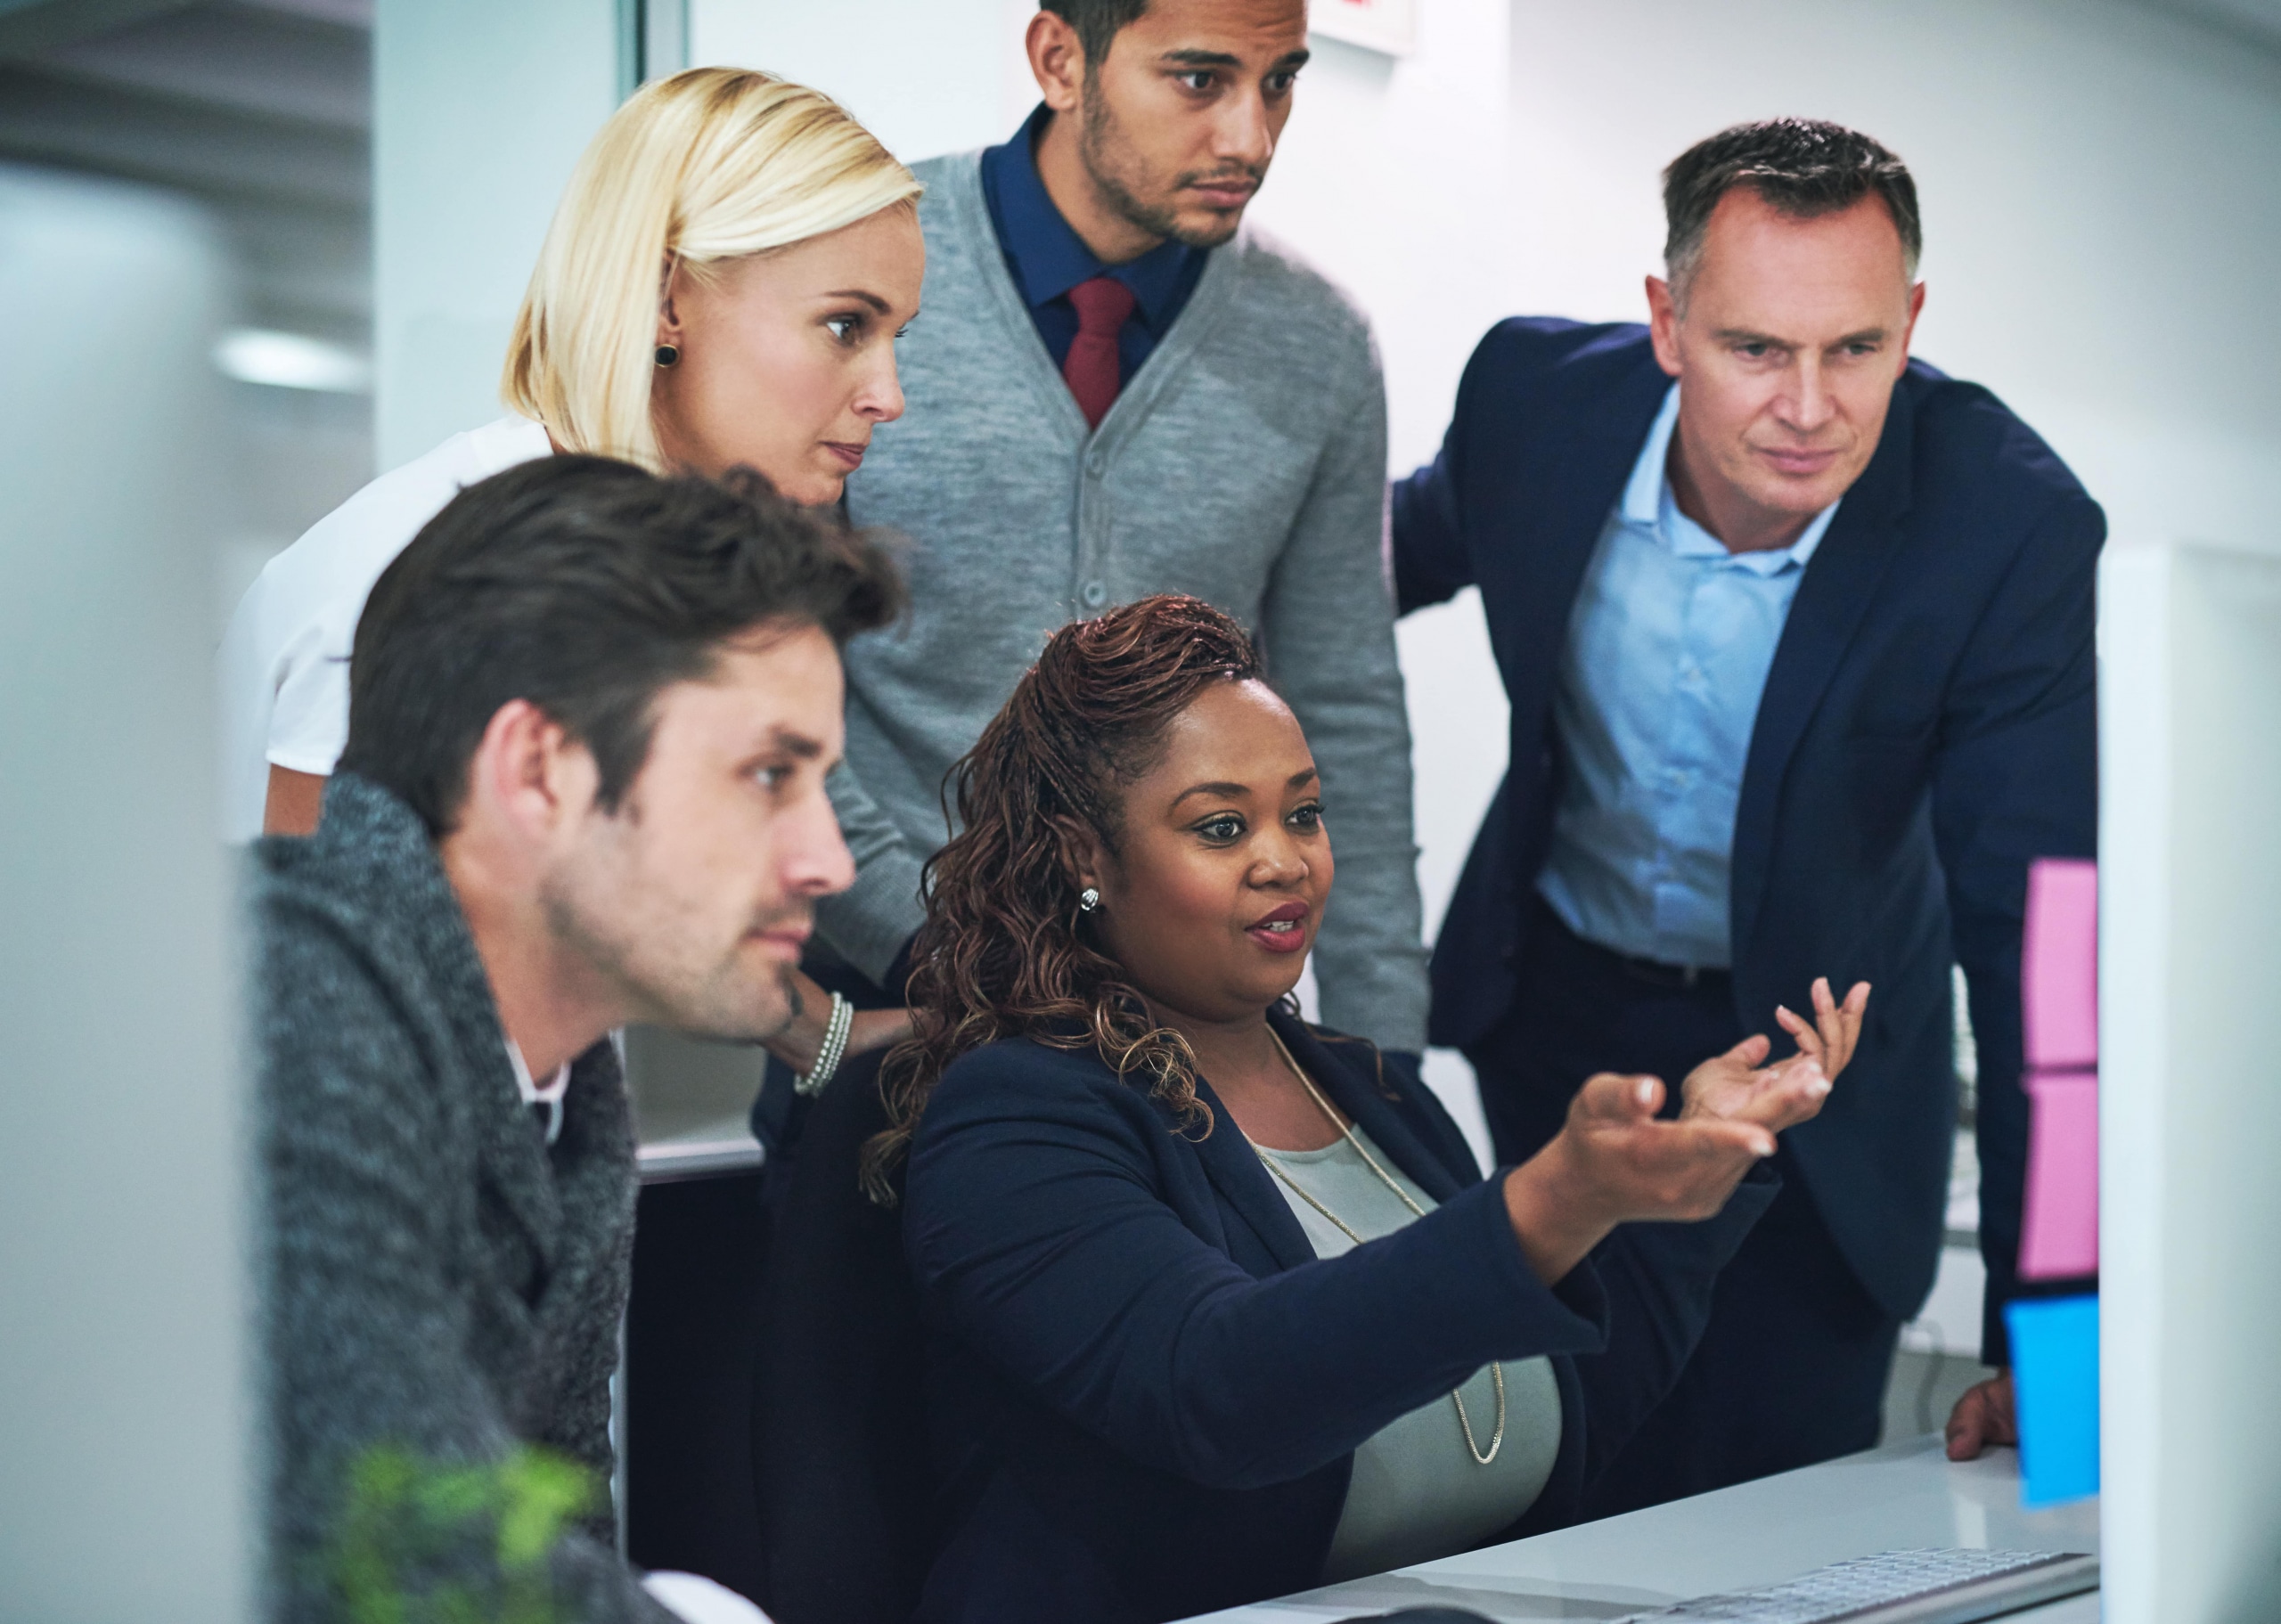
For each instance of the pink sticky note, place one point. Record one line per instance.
(2059, 966)
(2059, 1233)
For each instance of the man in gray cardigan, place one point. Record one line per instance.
(589, 715)
(1117, 389)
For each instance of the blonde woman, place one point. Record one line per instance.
(722, 284)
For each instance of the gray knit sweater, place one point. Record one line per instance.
(439, 1283)
(1244, 463)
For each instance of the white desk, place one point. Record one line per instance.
(691, 1100)
(1903, 1496)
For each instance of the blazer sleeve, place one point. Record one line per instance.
(365, 1319)
(1327, 627)
(1040, 1235)
(2015, 778)
(1650, 1285)
(1430, 561)
(1657, 1279)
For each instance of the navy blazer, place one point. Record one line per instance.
(1926, 729)
(1146, 1388)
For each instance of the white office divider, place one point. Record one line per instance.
(127, 1447)
(480, 109)
(2190, 1079)
(932, 76)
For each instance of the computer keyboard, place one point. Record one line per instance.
(1897, 1587)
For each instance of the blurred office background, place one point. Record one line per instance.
(365, 184)
(260, 113)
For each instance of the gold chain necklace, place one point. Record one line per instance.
(1496, 1371)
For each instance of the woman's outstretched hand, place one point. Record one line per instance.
(1614, 1161)
(1738, 1087)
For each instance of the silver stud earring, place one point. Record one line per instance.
(1088, 899)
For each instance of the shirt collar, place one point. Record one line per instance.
(1048, 257)
(533, 1093)
(1649, 504)
(550, 1095)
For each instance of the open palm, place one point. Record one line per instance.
(1740, 1086)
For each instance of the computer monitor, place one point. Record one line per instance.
(2190, 1108)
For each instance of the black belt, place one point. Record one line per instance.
(1655, 972)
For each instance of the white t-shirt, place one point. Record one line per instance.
(284, 662)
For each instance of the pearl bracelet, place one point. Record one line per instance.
(828, 1054)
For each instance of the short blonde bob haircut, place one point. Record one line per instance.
(711, 165)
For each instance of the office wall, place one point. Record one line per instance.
(924, 76)
(479, 112)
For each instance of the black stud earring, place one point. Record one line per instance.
(667, 355)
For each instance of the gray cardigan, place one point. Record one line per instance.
(1244, 463)
(438, 1281)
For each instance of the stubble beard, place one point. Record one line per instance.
(1098, 139)
(663, 989)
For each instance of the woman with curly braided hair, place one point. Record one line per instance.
(1218, 1307)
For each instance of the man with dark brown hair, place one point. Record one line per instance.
(589, 715)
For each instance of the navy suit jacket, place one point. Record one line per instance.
(1926, 729)
(1146, 1388)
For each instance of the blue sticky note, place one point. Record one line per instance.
(2056, 1383)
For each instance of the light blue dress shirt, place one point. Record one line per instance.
(1668, 650)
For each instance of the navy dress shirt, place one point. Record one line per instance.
(1046, 259)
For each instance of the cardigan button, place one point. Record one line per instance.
(1095, 594)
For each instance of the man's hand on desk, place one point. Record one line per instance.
(1982, 1416)
(799, 1043)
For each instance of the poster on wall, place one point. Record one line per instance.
(1390, 26)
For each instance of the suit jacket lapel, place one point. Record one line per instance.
(513, 1154)
(1565, 495)
(1347, 1072)
(1841, 582)
(1234, 1167)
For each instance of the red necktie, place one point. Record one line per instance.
(1092, 366)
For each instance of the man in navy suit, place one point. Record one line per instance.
(1797, 633)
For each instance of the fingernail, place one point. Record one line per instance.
(1645, 1092)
